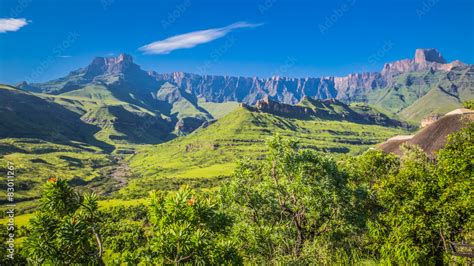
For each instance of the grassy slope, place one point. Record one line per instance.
(27, 115)
(414, 95)
(35, 161)
(23, 219)
(218, 110)
(435, 101)
(120, 123)
(214, 151)
(85, 165)
(39, 155)
(406, 89)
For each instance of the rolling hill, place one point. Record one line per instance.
(213, 151)
(414, 95)
(182, 127)
(25, 115)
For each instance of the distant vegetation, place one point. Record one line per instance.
(414, 95)
(89, 148)
(295, 206)
(469, 104)
(215, 150)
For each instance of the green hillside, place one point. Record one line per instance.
(356, 112)
(26, 115)
(37, 160)
(218, 110)
(413, 95)
(214, 151)
(118, 122)
(435, 101)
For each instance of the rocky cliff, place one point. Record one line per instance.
(353, 87)
(398, 85)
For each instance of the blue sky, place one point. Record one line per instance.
(41, 39)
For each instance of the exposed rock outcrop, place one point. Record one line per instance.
(269, 106)
(424, 56)
(432, 137)
(424, 59)
(429, 120)
(110, 65)
(353, 87)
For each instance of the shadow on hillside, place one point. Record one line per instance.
(25, 115)
(139, 128)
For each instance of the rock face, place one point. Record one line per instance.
(429, 120)
(433, 137)
(269, 106)
(127, 78)
(282, 89)
(424, 59)
(250, 90)
(352, 87)
(424, 56)
(111, 65)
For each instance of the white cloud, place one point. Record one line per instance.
(191, 39)
(12, 24)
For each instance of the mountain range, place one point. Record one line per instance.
(115, 101)
(403, 88)
(80, 125)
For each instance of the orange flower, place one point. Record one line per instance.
(191, 201)
(52, 179)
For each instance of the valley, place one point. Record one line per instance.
(122, 133)
(264, 132)
(167, 130)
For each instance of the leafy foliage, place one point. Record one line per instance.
(215, 150)
(295, 206)
(291, 208)
(425, 205)
(189, 229)
(469, 104)
(65, 230)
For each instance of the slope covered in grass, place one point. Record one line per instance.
(214, 151)
(218, 110)
(36, 160)
(26, 115)
(414, 95)
(436, 101)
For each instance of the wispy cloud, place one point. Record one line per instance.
(12, 24)
(191, 39)
(65, 56)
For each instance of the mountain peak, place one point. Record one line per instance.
(124, 58)
(428, 58)
(110, 65)
(423, 56)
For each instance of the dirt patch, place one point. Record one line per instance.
(433, 137)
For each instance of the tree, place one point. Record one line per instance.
(364, 171)
(189, 228)
(125, 230)
(292, 207)
(66, 229)
(455, 180)
(426, 204)
(469, 104)
(403, 231)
